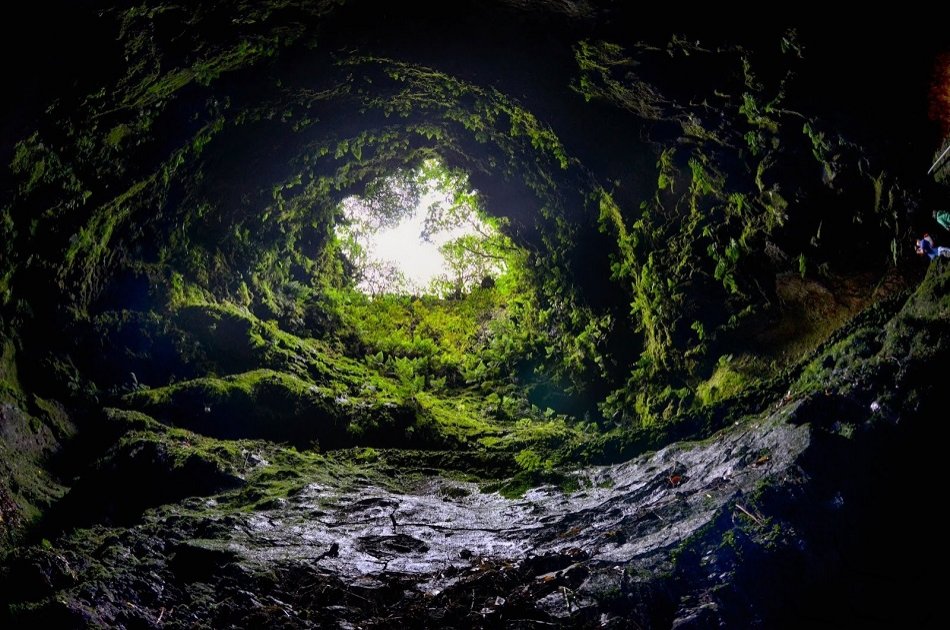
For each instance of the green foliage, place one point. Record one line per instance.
(726, 264)
(728, 379)
(367, 455)
(756, 113)
(462, 419)
(117, 135)
(38, 165)
(436, 378)
(258, 297)
(9, 381)
(703, 182)
(820, 147)
(442, 93)
(530, 461)
(667, 171)
(426, 341)
(388, 199)
(605, 70)
(474, 249)
(755, 140)
(713, 238)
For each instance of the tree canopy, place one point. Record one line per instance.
(422, 231)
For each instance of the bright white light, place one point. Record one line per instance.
(401, 248)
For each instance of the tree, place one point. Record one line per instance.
(473, 248)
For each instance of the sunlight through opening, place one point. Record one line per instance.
(421, 232)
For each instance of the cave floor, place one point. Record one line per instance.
(434, 543)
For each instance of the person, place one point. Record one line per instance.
(925, 246)
(943, 218)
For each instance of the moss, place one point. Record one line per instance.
(757, 114)
(9, 381)
(460, 419)
(729, 540)
(367, 455)
(158, 459)
(55, 418)
(277, 406)
(375, 378)
(117, 422)
(530, 461)
(913, 332)
(158, 87)
(181, 445)
(33, 431)
(149, 465)
(838, 359)
(311, 395)
(40, 166)
(92, 242)
(730, 377)
(821, 149)
(118, 133)
(516, 486)
(232, 339)
(27, 488)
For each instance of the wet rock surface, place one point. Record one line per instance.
(552, 556)
(627, 512)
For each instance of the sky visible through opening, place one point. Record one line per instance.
(398, 257)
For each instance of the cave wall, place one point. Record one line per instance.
(662, 182)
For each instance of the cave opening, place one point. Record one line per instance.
(422, 232)
(562, 331)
